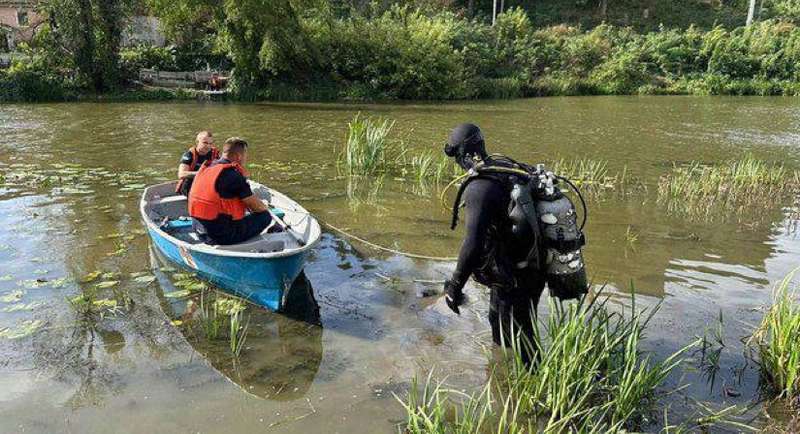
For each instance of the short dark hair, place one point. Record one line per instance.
(234, 145)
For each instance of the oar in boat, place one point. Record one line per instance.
(286, 227)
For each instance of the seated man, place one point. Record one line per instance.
(221, 196)
(201, 152)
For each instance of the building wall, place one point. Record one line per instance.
(14, 30)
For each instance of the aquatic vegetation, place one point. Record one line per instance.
(212, 316)
(587, 173)
(146, 279)
(590, 377)
(17, 307)
(711, 348)
(238, 332)
(12, 296)
(776, 341)
(698, 189)
(25, 328)
(367, 150)
(631, 236)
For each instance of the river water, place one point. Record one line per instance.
(69, 208)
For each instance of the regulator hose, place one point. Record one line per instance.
(580, 196)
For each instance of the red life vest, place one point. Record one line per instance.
(193, 165)
(205, 203)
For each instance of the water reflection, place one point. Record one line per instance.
(282, 351)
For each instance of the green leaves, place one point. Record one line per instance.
(24, 329)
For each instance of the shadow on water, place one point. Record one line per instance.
(282, 351)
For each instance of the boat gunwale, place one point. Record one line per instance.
(206, 249)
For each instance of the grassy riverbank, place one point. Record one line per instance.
(428, 54)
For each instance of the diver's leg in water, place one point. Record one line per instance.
(511, 311)
(529, 290)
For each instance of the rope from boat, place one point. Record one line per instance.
(385, 249)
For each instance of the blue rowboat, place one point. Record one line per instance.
(260, 270)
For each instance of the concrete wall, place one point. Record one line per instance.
(143, 30)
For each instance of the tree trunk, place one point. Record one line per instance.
(750, 11)
(494, 12)
(86, 50)
(471, 8)
(604, 9)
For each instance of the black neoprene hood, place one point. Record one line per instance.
(465, 139)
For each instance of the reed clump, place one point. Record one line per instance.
(368, 150)
(588, 173)
(699, 188)
(591, 376)
(214, 315)
(777, 342)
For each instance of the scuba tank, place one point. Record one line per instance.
(546, 219)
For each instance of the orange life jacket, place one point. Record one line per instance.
(193, 165)
(205, 203)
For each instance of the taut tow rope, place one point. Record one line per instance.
(385, 249)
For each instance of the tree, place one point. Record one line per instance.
(86, 34)
(263, 38)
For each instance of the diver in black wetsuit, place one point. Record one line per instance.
(490, 252)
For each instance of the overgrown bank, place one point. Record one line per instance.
(405, 53)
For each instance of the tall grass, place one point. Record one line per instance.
(589, 173)
(777, 340)
(591, 376)
(367, 150)
(698, 188)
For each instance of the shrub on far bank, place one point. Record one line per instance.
(31, 79)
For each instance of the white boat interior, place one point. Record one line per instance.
(168, 212)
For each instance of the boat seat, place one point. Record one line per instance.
(263, 243)
(169, 199)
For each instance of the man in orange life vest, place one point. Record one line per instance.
(203, 151)
(220, 198)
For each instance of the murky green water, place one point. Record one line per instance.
(70, 207)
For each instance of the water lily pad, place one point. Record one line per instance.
(16, 307)
(24, 329)
(105, 303)
(91, 276)
(107, 284)
(191, 284)
(145, 279)
(59, 283)
(178, 294)
(12, 296)
(6, 278)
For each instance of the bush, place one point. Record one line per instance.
(146, 56)
(31, 79)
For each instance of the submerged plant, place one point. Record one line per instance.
(590, 376)
(777, 340)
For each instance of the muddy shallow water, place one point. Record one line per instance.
(69, 207)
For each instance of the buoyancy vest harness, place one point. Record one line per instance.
(543, 216)
(205, 203)
(194, 165)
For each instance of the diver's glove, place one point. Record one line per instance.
(454, 296)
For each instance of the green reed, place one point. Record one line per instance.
(368, 149)
(777, 340)
(588, 173)
(238, 333)
(696, 188)
(590, 377)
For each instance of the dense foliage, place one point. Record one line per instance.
(317, 49)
